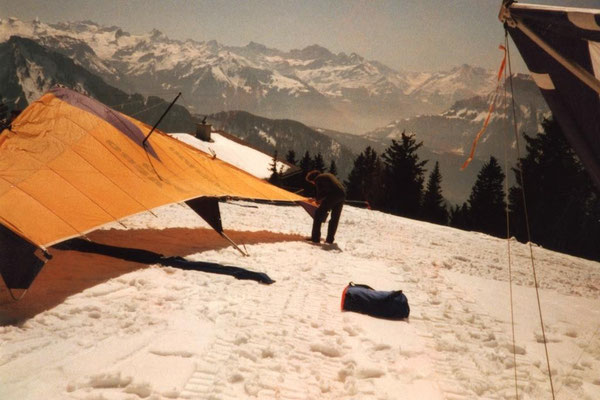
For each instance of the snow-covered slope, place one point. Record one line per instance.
(165, 333)
(160, 332)
(235, 153)
(281, 136)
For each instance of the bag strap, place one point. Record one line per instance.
(352, 284)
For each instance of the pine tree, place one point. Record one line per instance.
(562, 203)
(403, 178)
(459, 216)
(355, 184)
(290, 157)
(333, 168)
(275, 175)
(306, 163)
(487, 207)
(434, 207)
(365, 181)
(319, 163)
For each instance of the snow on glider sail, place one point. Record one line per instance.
(70, 164)
(561, 47)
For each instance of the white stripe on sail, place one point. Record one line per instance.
(595, 56)
(584, 20)
(543, 81)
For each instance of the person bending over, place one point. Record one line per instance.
(330, 197)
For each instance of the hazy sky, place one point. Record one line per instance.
(417, 35)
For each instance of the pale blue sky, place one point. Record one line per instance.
(416, 35)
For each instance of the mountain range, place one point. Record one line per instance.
(455, 129)
(28, 70)
(306, 99)
(340, 91)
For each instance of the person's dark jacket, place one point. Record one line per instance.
(328, 185)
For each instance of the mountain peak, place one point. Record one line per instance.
(467, 68)
(76, 27)
(353, 58)
(15, 27)
(156, 34)
(312, 52)
(256, 46)
(213, 45)
(12, 22)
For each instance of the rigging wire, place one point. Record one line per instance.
(528, 230)
(185, 102)
(147, 109)
(127, 103)
(134, 102)
(510, 283)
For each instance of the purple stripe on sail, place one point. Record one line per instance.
(114, 118)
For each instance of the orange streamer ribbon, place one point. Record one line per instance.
(490, 110)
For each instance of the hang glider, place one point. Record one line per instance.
(69, 164)
(561, 47)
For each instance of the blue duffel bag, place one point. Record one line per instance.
(366, 300)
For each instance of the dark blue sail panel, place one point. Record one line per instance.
(575, 35)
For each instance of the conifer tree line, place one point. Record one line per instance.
(552, 191)
(563, 205)
(394, 182)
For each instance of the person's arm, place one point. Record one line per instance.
(321, 189)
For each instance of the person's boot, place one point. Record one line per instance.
(316, 233)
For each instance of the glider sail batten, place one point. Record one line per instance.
(561, 48)
(65, 170)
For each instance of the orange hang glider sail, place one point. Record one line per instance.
(70, 164)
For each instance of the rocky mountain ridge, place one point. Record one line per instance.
(313, 85)
(28, 70)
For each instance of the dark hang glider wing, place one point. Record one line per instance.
(561, 47)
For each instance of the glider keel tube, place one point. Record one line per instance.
(208, 209)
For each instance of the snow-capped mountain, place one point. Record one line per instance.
(313, 85)
(455, 129)
(443, 88)
(28, 70)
